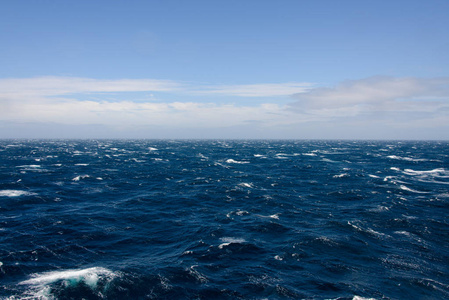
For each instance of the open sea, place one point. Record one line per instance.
(205, 219)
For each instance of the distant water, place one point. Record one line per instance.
(145, 219)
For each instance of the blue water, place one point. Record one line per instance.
(157, 219)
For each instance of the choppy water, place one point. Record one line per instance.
(138, 219)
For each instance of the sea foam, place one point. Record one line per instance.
(40, 285)
(90, 276)
(230, 240)
(231, 161)
(15, 193)
(440, 172)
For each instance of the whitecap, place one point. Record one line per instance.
(137, 160)
(238, 213)
(362, 298)
(248, 185)
(230, 240)
(201, 155)
(329, 160)
(369, 230)
(309, 154)
(406, 233)
(231, 161)
(40, 282)
(159, 159)
(81, 165)
(90, 276)
(341, 175)
(77, 178)
(403, 187)
(277, 257)
(406, 158)
(200, 277)
(379, 208)
(275, 216)
(29, 166)
(15, 193)
(219, 164)
(439, 172)
(241, 212)
(152, 149)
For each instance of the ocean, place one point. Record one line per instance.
(224, 219)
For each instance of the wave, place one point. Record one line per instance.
(341, 175)
(231, 161)
(407, 158)
(403, 187)
(29, 166)
(15, 193)
(273, 216)
(41, 284)
(238, 213)
(439, 172)
(247, 185)
(77, 178)
(230, 240)
(209, 220)
(329, 160)
(309, 154)
(89, 276)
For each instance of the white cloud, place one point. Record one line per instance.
(60, 100)
(379, 105)
(127, 114)
(373, 104)
(378, 93)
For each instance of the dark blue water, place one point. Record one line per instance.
(145, 219)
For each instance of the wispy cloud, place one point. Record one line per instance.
(255, 90)
(59, 86)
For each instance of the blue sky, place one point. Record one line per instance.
(224, 69)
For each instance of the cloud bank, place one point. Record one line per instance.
(371, 108)
(381, 93)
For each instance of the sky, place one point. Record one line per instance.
(250, 69)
